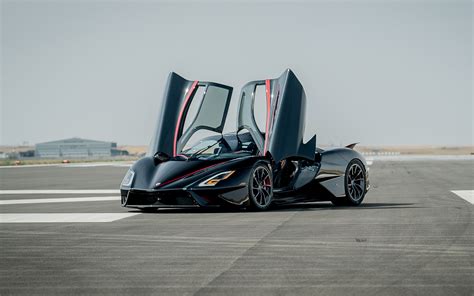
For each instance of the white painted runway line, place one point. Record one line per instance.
(57, 200)
(465, 194)
(91, 165)
(64, 217)
(62, 191)
(72, 165)
(420, 157)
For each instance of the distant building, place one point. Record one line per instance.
(77, 148)
(27, 153)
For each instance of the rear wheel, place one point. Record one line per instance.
(261, 187)
(354, 183)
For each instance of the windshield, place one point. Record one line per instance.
(204, 147)
(219, 148)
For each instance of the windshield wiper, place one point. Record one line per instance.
(204, 149)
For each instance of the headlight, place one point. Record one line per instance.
(128, 179)
(212, 181)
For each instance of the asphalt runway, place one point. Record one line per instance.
(411, 236)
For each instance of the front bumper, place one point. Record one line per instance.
(184, 198)
(158, 198)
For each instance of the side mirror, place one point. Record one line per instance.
(160, 157)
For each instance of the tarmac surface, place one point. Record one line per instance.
(411, 236)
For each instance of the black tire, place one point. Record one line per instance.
(260, 186)
(354, 183)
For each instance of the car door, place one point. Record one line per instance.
(285, 108)
(176, 125)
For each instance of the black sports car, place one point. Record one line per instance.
(264, 162)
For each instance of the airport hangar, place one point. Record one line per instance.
(77, 148)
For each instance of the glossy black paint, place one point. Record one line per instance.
(186, 175)
(173, 98)
(301, 172)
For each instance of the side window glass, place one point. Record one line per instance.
(260, 107)
(213, 107)
(194, 106)
(206, 111)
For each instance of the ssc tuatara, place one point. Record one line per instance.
(192, 163)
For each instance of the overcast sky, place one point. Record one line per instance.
(375, 72)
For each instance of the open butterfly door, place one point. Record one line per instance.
(285, 108)
(176, 125)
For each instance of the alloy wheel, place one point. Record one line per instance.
(356, 182)
(261, 187)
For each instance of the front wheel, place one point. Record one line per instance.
(261, 187)
(354, 183)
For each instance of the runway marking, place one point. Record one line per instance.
(90, 165)
(71, 165)
(57, 200)
(62, 191)
(465, 194)
(64, 217)
(420, 157)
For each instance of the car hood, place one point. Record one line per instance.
(150, 176)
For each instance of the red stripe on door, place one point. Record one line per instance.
(178, 123)
(267, 91)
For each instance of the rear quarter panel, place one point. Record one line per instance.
(333, 166)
